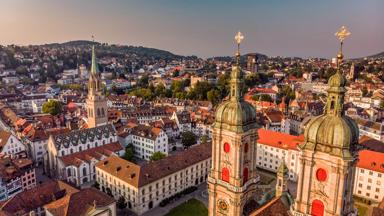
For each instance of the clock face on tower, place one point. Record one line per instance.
(223, 206)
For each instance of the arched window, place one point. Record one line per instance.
(225, 174)
(246, 147)
(69, 172)
(317, 208)
(245, 175)
(84, 171)
(98, 112)
(102, 112)
(71, 151)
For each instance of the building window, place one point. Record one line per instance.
(246, 147)
(227, 147)
(245, 175)
(225, 174)
(321, 175)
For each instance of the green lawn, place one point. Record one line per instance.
(361, 210)
(192, 207)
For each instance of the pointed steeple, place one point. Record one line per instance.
(94, 67)
(336, 83)
(236, 81)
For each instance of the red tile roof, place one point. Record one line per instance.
(279, 140)
(274, 207)
(77, 158)
(371, 160)
(29, 200)
(139, 176)
(80, 203)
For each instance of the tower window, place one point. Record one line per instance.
(332, 105)
(246, 147)
(227, 147)
(321, 175)
(245, 175)
(317, 208)
(225, 174)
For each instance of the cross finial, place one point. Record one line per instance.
(342, 33)
(93, 38)
(239, 37)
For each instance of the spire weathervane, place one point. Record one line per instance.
(341, 34)
(238, 38)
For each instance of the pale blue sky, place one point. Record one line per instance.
(196, 27)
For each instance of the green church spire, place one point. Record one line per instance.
(94, 68)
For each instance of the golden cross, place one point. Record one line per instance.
(342, 33)
(239, 37)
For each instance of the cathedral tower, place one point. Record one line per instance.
(232, 180)
(328, 156)
(96, 101)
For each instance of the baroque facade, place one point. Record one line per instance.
(232, 180)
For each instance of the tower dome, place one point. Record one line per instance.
(333, 132)
(337, 80)
(236, 114)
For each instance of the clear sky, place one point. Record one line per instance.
(205, 28)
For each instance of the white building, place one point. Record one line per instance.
(9, 144)
(147, 140)
(371, 129)
(75, 141)
(273, 147)
(183, 120)
(79, 168)
(11, 80)
(144, 187)
(369, 176)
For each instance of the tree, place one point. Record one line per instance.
(203, 139)
(157, 156)
(21, 70)
(52, 107)
(160, 90)
(121, 204)
(129, 155)
(382, 105)
(213, 96)
(188, 138)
